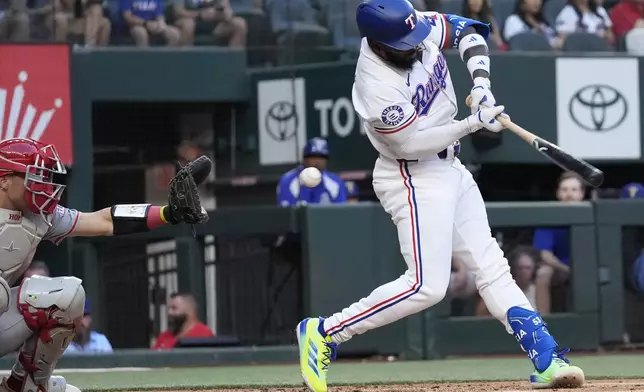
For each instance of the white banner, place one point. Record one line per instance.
(598, 108)
(281, 111)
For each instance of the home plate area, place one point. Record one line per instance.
(613, 385)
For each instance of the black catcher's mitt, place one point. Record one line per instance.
(183, 199)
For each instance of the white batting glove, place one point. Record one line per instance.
(481, 95)
(486, 118)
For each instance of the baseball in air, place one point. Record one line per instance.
(310, 177)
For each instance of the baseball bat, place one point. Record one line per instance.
(589, 173)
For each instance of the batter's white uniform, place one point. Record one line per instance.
(431, 197)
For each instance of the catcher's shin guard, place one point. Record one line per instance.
(50, 307)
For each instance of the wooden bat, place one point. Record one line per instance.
(589, 173)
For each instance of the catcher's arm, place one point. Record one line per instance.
(183, 206)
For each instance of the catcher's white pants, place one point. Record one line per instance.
(439, 213)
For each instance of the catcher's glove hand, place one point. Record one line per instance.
(183, 199)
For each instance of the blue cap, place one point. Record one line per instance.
(316, 147)
(634, 190)
(352, 189)
(393, 23)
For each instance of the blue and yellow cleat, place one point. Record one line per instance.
(560, 374)
(316, 353)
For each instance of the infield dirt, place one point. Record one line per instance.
(615, 385)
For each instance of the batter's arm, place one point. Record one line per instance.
(394, 121)
(469, 37)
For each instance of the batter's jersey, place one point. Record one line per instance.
(389, 100)
(330, 190)
(20, 235)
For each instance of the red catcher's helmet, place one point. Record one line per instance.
(39, 163)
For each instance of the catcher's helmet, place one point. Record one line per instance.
(38, 162)
(393, 23)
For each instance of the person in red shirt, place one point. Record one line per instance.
(183, 322)
(627, 15)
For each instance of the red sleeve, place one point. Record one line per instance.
(200, 330)
(622, 22)
(165, 341)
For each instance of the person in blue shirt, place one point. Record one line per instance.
(353, 192)
(554, 244)
(86, 340)
(144, 18)
(330, 190)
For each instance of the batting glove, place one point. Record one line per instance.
(486, 118)
(481, 95)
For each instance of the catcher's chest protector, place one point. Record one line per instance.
(19, 236)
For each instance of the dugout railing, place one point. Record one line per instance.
(274, 265)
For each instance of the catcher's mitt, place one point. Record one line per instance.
(183, 199)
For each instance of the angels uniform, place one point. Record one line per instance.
(408, 115)
(37, 317)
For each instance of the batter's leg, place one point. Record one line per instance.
(41, 319)
(475, 247)
(421, 198)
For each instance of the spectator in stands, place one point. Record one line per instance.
(554, 244)
(214, 17)
(80, 18)
(585, 16)
(183, 322)
(633, 190)
(14, 20)
(144, 19)
(626, 16)
(528, 16)
(481, 10)
(330, 190)
(353, 195)
(523, 265)
(37, 267)
(462, 284)
(86, 340)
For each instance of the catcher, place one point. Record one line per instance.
(39, 316)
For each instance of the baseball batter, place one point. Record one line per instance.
(404, 95)
(38, 317)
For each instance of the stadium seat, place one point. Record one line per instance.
(288, 14)
(551, 9)
(584, 42)
(451, 7)
(340, 16)
(501, 9)
(305, 43)
(529, 41)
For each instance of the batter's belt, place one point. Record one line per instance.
(450, 152)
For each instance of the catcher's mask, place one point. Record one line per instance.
(39, 163)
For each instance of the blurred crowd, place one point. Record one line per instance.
(568, 25)
(542, 266)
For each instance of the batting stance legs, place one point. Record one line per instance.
(40, 321)
(439, 213)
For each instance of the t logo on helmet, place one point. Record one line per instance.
(410, 21)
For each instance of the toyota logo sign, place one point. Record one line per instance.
(598, 107)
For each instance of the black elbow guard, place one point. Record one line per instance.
(130, 218)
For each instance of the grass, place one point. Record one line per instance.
(480, 369)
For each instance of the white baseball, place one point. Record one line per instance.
(310, 177)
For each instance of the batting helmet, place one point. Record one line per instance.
(316, 147)
(393, 23)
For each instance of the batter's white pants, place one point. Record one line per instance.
(439, 213)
